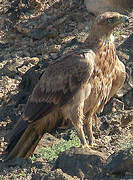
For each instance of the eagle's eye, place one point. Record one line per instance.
(111, 20)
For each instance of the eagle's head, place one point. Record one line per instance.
(106, 22)
(111, 19)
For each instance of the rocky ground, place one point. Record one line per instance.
(32, 34)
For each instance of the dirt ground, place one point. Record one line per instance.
(32, 34)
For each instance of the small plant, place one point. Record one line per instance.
(117, 33)
(22, 175)
(33, 158)
(128, 145)
(53, 151)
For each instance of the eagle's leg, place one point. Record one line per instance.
(96, 120)
(77, 121)
(89, 132)
(81, 135)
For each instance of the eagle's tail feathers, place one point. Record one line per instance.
(24, 142)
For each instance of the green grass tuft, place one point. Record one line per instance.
(53, 151)
(22, 175)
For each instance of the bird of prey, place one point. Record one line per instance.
(74, 88)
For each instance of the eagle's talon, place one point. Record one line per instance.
(85, 146)
(93, 145)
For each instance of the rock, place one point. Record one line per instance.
(115, 130)
(100, 6)
(83, 163)
(22, 163)
(117, 105)
(105, 124)
(126, 91)
(120, 163)
(127, 99)
(36, 4)
(58, 174)
(127, 119)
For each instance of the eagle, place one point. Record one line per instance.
(73, 88)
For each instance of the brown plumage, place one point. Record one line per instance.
(73, 88)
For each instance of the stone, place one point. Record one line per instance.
(120, 162)
(83, 163)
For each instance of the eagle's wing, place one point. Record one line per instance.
(118, 79)
(57, 86)
(59, 83)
